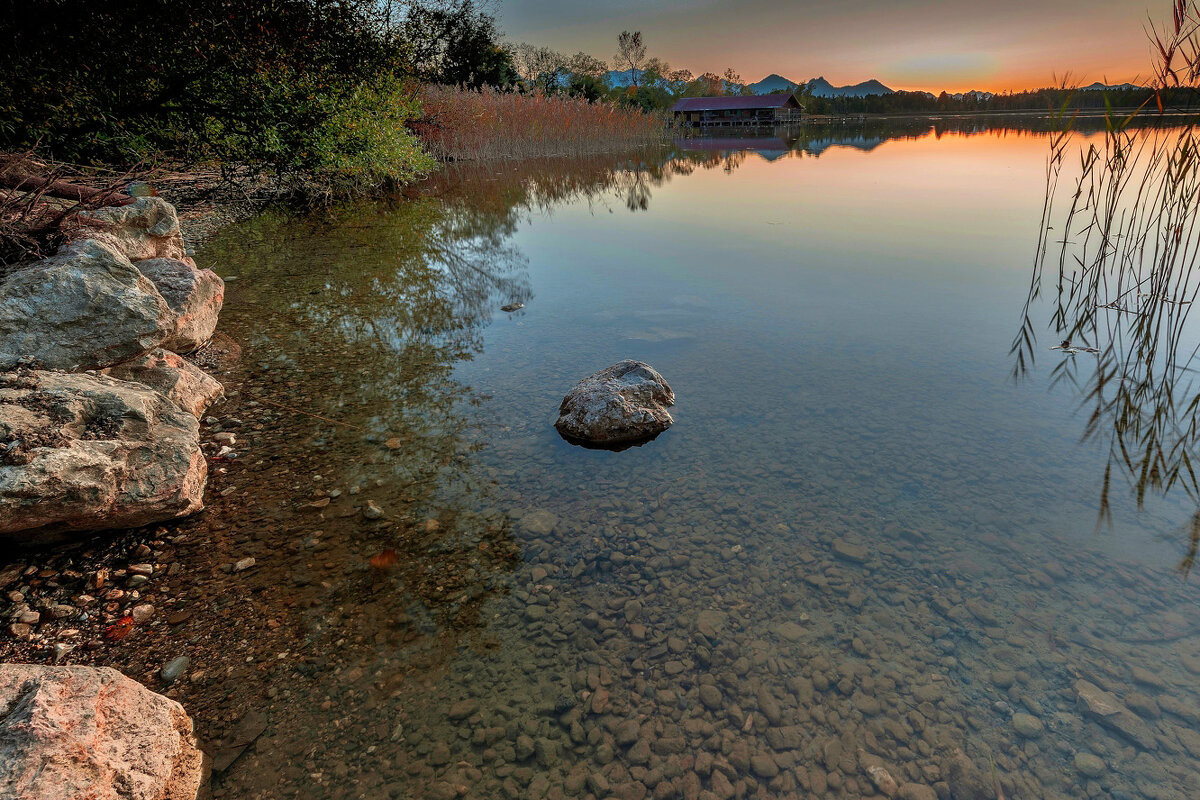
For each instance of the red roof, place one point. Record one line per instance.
(732, 103)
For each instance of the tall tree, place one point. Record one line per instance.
(631, 53)
(454, 42)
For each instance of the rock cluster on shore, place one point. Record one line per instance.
(98, 414)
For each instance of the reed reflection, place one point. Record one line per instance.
(1115, 279)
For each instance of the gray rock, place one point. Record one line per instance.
(916, 791)
(538, 522)
(146, 228)
(195, 297)
(850, 551)
(966, 781)
(180, 380)
(788, 630)
(1105, 708)
(83, 452)
(86, 308)
(621, 404)
(463, 709)
(174, 669)
(1089, 766)
(1027, 725)
(69, 732)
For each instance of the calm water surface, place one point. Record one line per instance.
(863, 557)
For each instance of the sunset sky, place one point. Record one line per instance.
(924, 44)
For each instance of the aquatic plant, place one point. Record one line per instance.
(1122, 259)
(459, 124)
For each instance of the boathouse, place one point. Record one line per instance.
(767, 109)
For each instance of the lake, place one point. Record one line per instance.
(864, 561)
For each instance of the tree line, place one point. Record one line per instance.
(1069, 99)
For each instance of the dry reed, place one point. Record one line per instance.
(463, 125)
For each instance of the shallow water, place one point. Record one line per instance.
(862, 548)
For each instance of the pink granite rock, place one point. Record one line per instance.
(82, 733)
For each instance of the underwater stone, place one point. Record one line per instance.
(1089, 766)
(174, 669)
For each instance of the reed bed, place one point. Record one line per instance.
(487, 125)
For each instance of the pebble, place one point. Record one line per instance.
(850, 552)
(372, 511)
(711, 697)
(1089, 766)
(1027, 725)
(1147, 678)
(463, 709)
(142, 612)
(789, 631)
(174, 669)
(244, 564)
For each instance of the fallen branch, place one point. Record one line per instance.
(64, 189)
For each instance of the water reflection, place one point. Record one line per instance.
(833, 578)
(866, 135)
(1122, 261)
(846, 567)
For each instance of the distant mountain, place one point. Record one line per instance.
(974, 95)
(1119, 87)
(772, 84)
(823, 88)
(622, 78)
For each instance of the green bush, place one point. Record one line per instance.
(365, 140)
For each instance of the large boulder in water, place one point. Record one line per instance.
(194, 296)
(82, 452)
(87, 307)
(621, 404)
(68, 733)
(146, 228)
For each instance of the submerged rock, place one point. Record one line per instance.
(87, 307)
(622, 404)
(73, 732)
(81, 452)
(1105, 708)
(146, 228)
(182, 382)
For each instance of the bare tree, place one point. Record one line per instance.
(532, 62)
(583, 64)
(631, 52)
